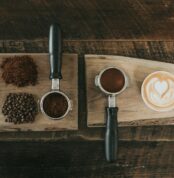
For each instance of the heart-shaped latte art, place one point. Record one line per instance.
(158, 91)
(161, 87)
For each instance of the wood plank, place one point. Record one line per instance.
(66, 159)
(128, 114)
(94, 19)
(128, 133)
(68, 85)
(161, 50)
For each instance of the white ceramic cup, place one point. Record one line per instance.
(157, 91)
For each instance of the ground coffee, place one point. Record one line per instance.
(55, 105)
(19, 70)
(112, 80)
(20, 108)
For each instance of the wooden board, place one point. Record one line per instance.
(68, 85)
(131, 106)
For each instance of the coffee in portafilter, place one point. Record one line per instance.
(55, 105)
(112, 80)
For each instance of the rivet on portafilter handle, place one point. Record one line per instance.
(55, 51)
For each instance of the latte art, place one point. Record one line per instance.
(158, 91)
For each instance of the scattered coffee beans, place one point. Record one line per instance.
(19, 70)
(20, 108)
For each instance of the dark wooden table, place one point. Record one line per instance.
(143, 29)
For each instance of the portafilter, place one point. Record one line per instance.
(111, 81)
(55, 104)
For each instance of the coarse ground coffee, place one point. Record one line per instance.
(19, 70)
(20, 108)
(55, 105)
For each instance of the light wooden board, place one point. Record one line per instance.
(132, 109)
(68, 85)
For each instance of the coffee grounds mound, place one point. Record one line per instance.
(20, 108)
(19, 70)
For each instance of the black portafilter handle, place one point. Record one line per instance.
(55, 51)
(111, 135)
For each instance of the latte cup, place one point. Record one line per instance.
(157, 91)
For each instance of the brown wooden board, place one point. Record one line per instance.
(68, 85)
(131, 106)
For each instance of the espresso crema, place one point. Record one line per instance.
(158, 91)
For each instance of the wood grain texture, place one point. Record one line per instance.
(131, 106)
(88, 19)
(126, 133)
(68, 85)
(161, 50)
(85, 159)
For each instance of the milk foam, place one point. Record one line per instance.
(158, 90)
